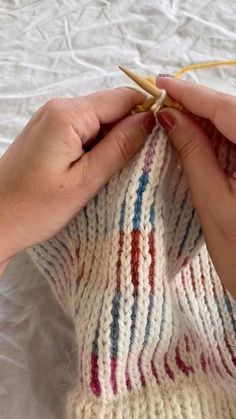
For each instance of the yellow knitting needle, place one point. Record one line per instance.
(150, 88)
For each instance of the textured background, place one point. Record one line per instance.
(65, 48)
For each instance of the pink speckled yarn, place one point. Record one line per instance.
(156, 330)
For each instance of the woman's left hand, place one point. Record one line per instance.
(46, 178)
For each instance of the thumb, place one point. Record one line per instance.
(108, 156)
(206, 180)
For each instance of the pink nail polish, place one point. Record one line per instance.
(165, 75)
(149, 122)
(166, 120)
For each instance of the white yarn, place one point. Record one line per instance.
(181, 360)
(159, 102)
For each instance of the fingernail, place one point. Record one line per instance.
(165, 75)
(166, 120)
(149, 123)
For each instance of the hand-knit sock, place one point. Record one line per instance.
(156, 329)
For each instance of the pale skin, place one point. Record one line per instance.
(213, 191)
(46, 179)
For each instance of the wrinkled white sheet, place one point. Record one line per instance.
(66, 48)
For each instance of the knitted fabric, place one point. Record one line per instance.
(156, 329)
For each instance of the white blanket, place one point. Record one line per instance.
(67, 48)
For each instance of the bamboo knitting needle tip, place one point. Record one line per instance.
(145, 84)
(151, 88)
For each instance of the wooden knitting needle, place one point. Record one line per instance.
(145, 84)
(150, 88)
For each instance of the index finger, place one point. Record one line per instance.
(111, 105)
(101, 108)
(218, 107)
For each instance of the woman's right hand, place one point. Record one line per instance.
(213, 191)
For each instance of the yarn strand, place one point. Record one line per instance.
(200, 66)
(159, 99)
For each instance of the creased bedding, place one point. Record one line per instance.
(67, 48)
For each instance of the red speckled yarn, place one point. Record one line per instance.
(156, 329)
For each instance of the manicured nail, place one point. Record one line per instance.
(149, 122)
(166, 120)
(165, 75)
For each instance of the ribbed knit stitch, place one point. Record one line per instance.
(156, 329)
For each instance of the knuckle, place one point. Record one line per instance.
(55, 114)
(83, 106)
(88, 122)
(123, 144)
(223, 101)
(188, 148)
(53, 107)
(54, 103)
(131, 95)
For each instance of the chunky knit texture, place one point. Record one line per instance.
(156, 329)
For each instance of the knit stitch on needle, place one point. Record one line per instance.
(155, 328)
